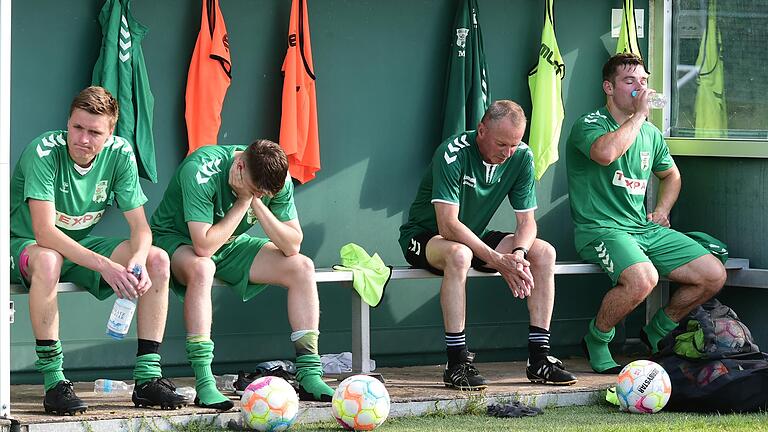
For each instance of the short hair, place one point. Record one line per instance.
(611, 67)
(267, 164)
(96, 100)
(502, 109)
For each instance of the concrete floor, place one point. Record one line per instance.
(413, 390)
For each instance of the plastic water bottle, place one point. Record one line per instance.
(655, 100)
(225, 382)
(122, 313)
(187, 392)
(108, 387)
(286, 365)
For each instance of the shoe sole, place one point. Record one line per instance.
(466, 388)
(146, 403)
(538, 380)
(71, 411)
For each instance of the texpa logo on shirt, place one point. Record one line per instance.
(633, 186)
(74, 223)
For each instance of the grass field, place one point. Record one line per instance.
(590, 418)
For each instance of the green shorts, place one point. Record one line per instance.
(233, 262)
(665, 248)
(71, 272)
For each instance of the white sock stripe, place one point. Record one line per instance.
(455, 337)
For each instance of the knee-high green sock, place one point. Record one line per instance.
(200, 356)
(309, 369)
(147, 368)
(50, 360)
(659, 326)
(597, 344)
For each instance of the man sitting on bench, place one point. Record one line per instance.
(469, 177)
(60, 188)
(611, 154)
(217, 194)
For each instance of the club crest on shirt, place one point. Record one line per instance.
(461, 37)
(250, 217)
(100, 195)
(645, 160)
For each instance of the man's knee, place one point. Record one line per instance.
(640, 280)
(542, 254)
(712, 279)
(301, 268)
(458, 257)
(45, 266)
(199, 272)
(158, 264)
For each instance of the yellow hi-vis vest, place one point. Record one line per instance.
(711, 112)
(545, 81)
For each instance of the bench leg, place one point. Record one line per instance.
(656, 300)
(361, 335)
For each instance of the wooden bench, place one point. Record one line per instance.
(739, 274)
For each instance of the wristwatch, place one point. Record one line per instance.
(525, 251)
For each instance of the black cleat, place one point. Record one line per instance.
(549, 370)
(464, 375)
(62, 400)
(219, 406)
(158, 392)
(243, 379)
(310, 397)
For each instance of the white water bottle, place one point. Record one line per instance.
(110, 387)
(187, 392)
(655, 100)
(122, 313)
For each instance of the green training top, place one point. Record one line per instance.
(199, 192)
(611, 196)
(45, 172)
(458, 175)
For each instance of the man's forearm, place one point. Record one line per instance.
(285, 237)
(52, 238)
(613, 145)
(140, 241)
(525, 235)
(669, 190)
(218, 234)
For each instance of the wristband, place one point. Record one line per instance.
(525, 251)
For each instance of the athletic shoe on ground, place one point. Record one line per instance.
(464, 375)
(243, 379)
(62, 400)
(549, 370)
(219, 406)
(158, 392)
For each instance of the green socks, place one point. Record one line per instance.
(309, 369)
(147, 367)
(50, 359)
(599, 355)
(200, 356)
(661, 324)
(309, 373)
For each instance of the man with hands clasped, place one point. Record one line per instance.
(469, 177)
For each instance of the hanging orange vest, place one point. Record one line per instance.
(298, 125)
(210, 73)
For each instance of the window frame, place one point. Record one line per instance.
(660, 56)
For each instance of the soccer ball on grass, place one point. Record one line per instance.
(269, 404)
(643, 387)
(360, 403)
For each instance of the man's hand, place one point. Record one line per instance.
(121, 280)
(659, 217)
(640, 102)
(517, 273)
(237, 182)
(144, 282)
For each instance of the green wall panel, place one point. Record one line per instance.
(380, 68)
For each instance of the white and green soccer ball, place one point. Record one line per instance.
(643, 387)
(269, 404)
(360, 403)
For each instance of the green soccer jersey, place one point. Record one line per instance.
(458, 175)
(45, 172)
(200, 192)
(611, 196)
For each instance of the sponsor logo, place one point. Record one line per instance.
(206, 170)
(605, 257)
(453, 147)
(546, 53)
(100, 195)
(74, 223)
(645, 160)
(470, 181)
(633, 186)
(415, 247)
(647, 381)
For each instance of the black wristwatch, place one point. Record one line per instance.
(525, 251)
